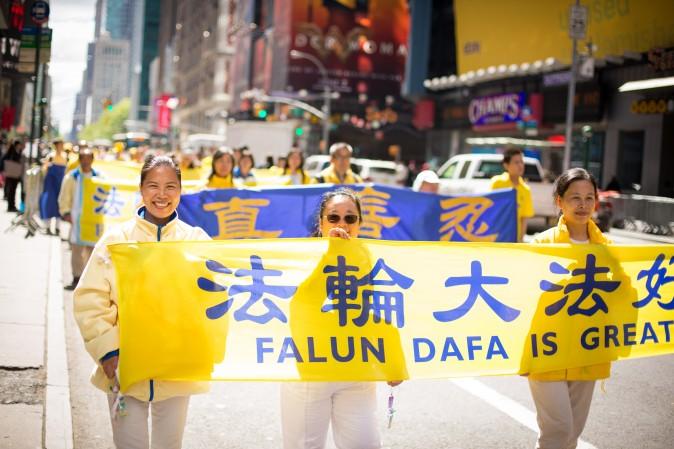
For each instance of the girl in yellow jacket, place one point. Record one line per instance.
(295, 168)
(222, 168)
(563, 397)
(95, 308)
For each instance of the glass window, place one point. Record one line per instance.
(487, 169)
(449, 173)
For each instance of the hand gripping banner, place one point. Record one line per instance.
(326, 309)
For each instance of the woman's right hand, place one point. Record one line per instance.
(339, 232)
(110, 366)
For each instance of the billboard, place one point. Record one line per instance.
(361, 43)
(495, 32)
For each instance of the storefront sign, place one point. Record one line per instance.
(660, 59)
(652, 106)
(497, 109)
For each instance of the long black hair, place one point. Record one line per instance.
(327, 196)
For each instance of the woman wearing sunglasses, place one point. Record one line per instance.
(309, 408)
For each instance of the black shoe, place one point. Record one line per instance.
(12, 209)
(73, 285)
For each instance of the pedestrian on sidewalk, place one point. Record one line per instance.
(308, 408)
(563, 397)
(95, 308)
(70, 208)
(54, 167)
(13, 167)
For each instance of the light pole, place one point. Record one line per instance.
(294, 54)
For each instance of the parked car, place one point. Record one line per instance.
(472, 173)
(371, 170)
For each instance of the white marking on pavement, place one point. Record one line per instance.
(506, 405)
(58, 414)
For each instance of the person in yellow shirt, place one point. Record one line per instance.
(563, 397)
(294, 168)
(222, 167)
(511, 178)
(95, 306)
(339, 171)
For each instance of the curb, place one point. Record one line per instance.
(58, 428)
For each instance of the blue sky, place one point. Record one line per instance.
(73, 25)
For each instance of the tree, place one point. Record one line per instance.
(111, 122)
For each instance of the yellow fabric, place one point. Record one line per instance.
(525, 204)
(96, 297)
(330, 177)
(560, 234)
(306, 179)
(218, 182)
(203, 315)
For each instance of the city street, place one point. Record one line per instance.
(634, 408)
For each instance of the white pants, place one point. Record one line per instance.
(561, 411)
(168, 423)
(308, 408)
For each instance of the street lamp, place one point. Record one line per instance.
(294, 54)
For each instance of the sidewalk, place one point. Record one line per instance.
(34, 399)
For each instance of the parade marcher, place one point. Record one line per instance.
(426, 181)
(13, 168)
(243, 172)
(55, 167)
(339, 171)
(295, 168)
(95, 309)
(222, 168)
(308, 408)
(70, 208)
(563, 397)
(511, 178)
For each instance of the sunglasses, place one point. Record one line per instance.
(349, 219)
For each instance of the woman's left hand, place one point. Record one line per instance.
(339, 232)
(394, 383)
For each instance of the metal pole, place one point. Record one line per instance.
(42, 105)
(570, 103)
(35, 94)
(326, 119)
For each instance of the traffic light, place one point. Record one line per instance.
(299, 131)
(107, 104)
(260, 110)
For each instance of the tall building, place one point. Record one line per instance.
(119, 18)
(201, 56)
(144, 43)
(111, 58)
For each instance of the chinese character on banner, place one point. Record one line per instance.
(477, 281)
(256, 292)
(462, 216)
(383, 301)
(109, 202)
(656, 277)
(587, 287)
(374, 205)
(237, 219)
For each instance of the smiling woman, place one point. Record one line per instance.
(160, 189)
(95, 309)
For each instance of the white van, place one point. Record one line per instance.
(472, 173)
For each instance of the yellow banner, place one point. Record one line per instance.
(495, 32)
(105, 203)
(319, 309)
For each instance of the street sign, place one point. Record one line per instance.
(40, 12)
(577, 22)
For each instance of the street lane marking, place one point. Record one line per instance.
(506, 405)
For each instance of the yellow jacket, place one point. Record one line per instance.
(560, 234)
(329, 176)
(219, 182)
(95, 303)
(525, 204)
(306, 179)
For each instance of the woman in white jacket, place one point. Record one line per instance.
(95, 308)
